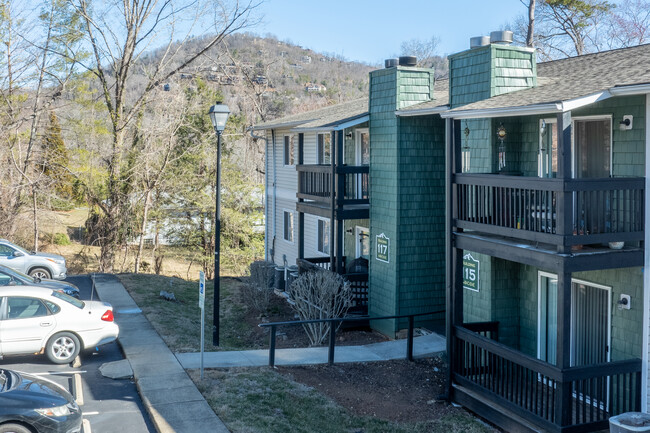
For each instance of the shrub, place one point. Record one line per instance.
(257, 293)
(60, 239)
(320, 295)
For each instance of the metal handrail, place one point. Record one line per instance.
(332, 339)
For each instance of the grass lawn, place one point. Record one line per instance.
(262, 400)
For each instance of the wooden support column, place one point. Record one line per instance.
(301, 215)
(340, 197)
(333, 201)
(563, 349)
(564, 171)
(454, 257)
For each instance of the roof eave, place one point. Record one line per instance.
(634, 89)
(335, 127)
(279, 125)
(423, 111)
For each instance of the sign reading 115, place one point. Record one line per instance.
(470, 273)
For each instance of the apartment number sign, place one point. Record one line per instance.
(470, 273)
(383, 248)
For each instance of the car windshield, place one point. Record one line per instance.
(16, 274)
(69, 299)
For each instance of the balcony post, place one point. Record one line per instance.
(301, 216)
(340, 197)
(563, 410)
(564, 172)
(333, 152)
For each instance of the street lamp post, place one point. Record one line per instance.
(219, 116)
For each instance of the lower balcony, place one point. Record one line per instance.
(358, 279)
(488, 376)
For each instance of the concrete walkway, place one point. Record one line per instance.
(169, 395)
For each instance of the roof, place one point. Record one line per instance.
(570, 83)
(439, 103)
(329, 118)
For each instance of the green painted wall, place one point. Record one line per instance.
(491, 70)
(406, 197)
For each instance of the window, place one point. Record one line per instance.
(592, 141)
(25, 308)
(324, 236)
(288, 226)
(288, 150)
(324, 149)
(6, 251)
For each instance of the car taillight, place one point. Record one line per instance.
(108, 316)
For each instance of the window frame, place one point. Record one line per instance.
(288, 150)
(320, 148)
(285, 214)
(322, 235)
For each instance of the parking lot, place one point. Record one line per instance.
(108, 405)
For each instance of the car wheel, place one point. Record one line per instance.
(14, 428)
(62, 348)
(40, 273)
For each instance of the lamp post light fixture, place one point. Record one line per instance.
(218, 116)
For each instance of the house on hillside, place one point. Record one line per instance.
(512, 194)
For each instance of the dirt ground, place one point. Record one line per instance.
(397, 391)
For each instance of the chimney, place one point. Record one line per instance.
(489, 68)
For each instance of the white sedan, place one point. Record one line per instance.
(37, 319)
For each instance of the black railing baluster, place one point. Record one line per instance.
(409, 339)
(272, 347)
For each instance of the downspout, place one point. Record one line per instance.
(266, 183)
(646, 265)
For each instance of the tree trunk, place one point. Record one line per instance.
(143, 226)
(531, 24)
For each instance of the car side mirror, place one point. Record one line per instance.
(18, 254)
(12, 282)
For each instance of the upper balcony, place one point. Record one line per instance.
(565, 213)
(350, 184)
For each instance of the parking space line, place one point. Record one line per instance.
(91, 413)
(56, 373)
(86, 426)
(78, 391)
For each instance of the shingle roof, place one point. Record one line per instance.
(324, 118)
(576, 77)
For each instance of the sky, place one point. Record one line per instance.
(373, 30)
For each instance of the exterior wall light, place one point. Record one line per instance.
(626, 123)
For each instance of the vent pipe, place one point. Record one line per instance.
(391, 63)
(503, 37)
(479, 41)
(408, 61)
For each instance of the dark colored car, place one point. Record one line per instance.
(44, 406)
(11, 277)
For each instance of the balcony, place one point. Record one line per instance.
(580, 398)
(350, 185)
(563, 213)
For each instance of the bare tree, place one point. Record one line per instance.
(119, 34)
(530, 34)
(629, 24)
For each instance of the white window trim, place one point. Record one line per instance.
(541, 274)
(357, 247)
(318, 236)
(284, 150)
(318, 154)
(357, 144)
(611, 140)
(293, 226)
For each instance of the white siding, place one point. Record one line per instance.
(311, 148)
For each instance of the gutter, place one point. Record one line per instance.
(422, 111)
(634, 89)
(338, 127)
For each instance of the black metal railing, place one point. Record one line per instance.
(597, 210)
(332, 331)
(315, 183)
(553, 398)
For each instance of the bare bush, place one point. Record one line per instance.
(320, 295)
(257, 293)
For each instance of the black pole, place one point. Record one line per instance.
(217, 247)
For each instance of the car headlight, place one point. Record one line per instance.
(54, 411)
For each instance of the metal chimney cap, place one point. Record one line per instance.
(391, 63)
(503, 37)
(479, 41)
(408, 61)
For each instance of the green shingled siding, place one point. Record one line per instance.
(407, 197)
(509, 294)
(492, 70)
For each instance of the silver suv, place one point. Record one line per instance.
(39, 265)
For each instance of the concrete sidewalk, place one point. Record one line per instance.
(169, 395)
